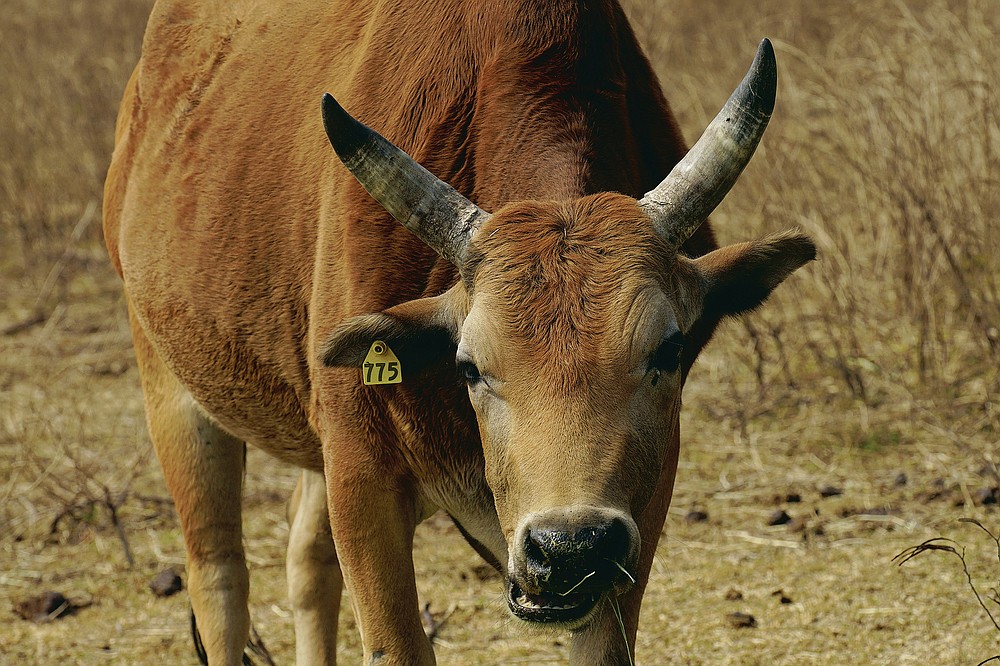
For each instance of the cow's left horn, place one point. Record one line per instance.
(702, 179)
(429, 207)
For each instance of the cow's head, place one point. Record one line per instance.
(573, 327)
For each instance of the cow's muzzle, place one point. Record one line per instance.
(566, 560)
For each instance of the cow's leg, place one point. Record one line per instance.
(373, 518)
(314, 579)
(203, 468)
(609, 640)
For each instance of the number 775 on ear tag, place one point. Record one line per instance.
(381, 366)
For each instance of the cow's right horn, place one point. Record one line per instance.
(697, 184)
(429, 207)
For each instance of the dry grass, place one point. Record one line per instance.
(879, 359)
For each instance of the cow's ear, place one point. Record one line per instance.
(420, 333)
(739, 278)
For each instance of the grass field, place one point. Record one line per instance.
(873, 371)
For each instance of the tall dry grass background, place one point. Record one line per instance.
(878, 359)
(884, 148)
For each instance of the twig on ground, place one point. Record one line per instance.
(950, 546)
(34, 319)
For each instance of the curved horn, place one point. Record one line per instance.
(704, 176)
(424, 204)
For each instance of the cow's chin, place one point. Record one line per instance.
(569, 611)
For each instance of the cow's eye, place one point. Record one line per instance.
(668, 355)
(468, 371)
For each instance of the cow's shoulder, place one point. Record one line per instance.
(185, 43)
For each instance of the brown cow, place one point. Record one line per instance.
(542, 346)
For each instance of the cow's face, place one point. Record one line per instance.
(581, 324)
(573, 327)
(572, 354)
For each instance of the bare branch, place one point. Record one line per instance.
(943, 544)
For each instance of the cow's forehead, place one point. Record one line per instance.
(578, 278)
(552, 243)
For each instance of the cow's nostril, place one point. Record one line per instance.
(614, 542)
(536, 560)
(534, 546)
(575, 557)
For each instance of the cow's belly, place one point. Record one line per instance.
(259, 425)
(244, 394)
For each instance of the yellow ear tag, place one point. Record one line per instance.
(381, 366)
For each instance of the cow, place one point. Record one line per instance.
(509, 228)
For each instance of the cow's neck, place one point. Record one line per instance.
(554, 169)
(549, 98)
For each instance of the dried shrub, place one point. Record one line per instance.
(945, 545)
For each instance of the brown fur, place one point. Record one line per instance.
(244, 246)
(557, 269)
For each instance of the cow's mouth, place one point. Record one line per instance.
(550, 608)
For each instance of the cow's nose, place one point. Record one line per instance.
(564, 559)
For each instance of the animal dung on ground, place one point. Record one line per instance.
(45, 607)
(985, 496)
(166, 583)
(782, 597)
(696, 516)
(732, 594)
(779, 517)
(830, 491)
(740, 620)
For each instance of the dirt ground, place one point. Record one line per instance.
(861, 401)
